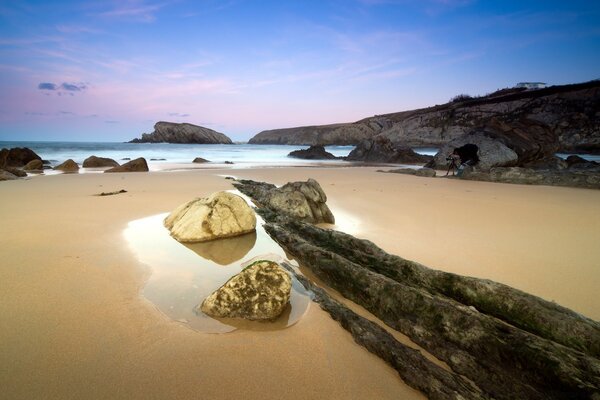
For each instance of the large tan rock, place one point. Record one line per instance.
(34, 165)
(99, 162)
(68, 166)
(220, 215)
(260, 292)
(137, 165)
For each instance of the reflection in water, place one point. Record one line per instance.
(224, 251)
(181, 279)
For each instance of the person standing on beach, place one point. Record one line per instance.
(468, 156)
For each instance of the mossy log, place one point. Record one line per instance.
(511, 344)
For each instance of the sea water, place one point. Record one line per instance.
(245, 154)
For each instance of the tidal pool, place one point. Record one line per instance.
(183, 275)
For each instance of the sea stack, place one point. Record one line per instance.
(171, 132)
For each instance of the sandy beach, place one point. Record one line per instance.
(74, 325)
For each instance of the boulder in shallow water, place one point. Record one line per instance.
(137, 165)
(220, 215)
(259, 293)
(200, 160)
(68, 166)
(316, 152)
(99, 162)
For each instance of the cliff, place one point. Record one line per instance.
(336, 134)
(571, 113)
(170, 132)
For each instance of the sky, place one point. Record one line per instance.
(108, 70)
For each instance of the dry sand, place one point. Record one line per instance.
(73, 324)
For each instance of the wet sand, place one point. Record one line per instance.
(74, 325)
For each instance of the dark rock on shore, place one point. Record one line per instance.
(572, 177)
(304, 201)
(381, 150)
(34, 165)
(7, 176)
(68, 166)
(19, 173)
(170, 132)
(414, 369)
(17, 157)
(200, 160)
(99, 162)
(424, 172)
(137, 165)
(508, 343)
(316, 152)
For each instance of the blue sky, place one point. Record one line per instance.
(108, 70)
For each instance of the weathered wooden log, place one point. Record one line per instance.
(416, 370)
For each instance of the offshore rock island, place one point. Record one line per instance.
(184, 133)
(568, 115)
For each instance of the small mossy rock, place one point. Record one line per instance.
(68, 166)
(34, 165)
(259, 293)
(220, 215)
(99, 162)
(137, 165)
(305, 201)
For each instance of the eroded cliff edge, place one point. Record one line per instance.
(571, 113)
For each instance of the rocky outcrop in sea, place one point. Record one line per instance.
(316, 152)
(171, 132)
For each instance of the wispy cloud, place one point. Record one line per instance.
(178, 115)
(137, 10)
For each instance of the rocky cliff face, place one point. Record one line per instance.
(170, 132)
(338, 134)
(571, 114)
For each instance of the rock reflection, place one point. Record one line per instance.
(184, 275)
(224, 251)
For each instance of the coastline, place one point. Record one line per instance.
(74, 324)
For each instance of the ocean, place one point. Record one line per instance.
(242, 155)
(159, 155)
(165, 153)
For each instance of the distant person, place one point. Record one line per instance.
(468, 156)
(454, 160)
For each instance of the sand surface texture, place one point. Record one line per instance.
(73, 324)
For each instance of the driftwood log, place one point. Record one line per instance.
(509, 343)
